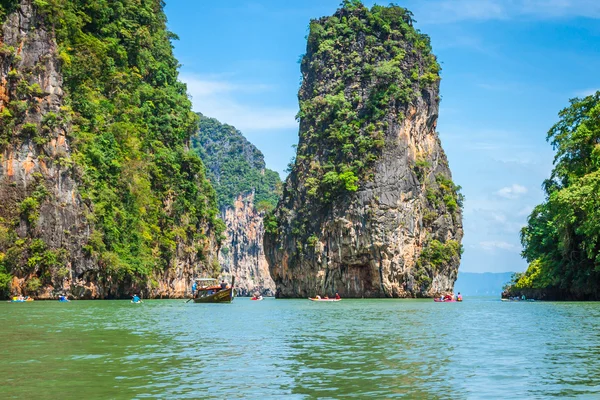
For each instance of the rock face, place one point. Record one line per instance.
(242, 254)
(53, 219)
(36, 152)
(369, 209)
(246, 189)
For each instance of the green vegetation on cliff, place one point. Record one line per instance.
(129, 122)
(359, 64)
(369, 207)
(562, 238)
(234, 165)
(6, 7)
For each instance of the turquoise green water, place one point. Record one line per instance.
(482, 348)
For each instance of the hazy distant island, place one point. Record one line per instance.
(482, 284)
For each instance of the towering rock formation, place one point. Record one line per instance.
(369, 208)
(246, 190)
(242, 253)
(99, 196)
(40, 206)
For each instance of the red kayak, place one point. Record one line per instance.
(446, 301)
(259, 298)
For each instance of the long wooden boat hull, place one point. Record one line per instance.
(222, 296)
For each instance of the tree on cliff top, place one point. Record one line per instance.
(562, 238)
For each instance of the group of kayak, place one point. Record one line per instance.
(136, 299)
(61, 299)
(325, 298)
(449, 298)
(20, 299)
(23, 299)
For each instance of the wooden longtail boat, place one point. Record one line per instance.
(211, 292)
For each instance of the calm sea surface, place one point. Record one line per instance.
(298, 349)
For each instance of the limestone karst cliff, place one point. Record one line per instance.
(246, 189)
(369, 208)
(242, 254)
(99, 194)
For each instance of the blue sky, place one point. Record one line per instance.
(509, 66)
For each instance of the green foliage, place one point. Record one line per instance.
(265, 206)
(349, 180)
(131, 120)
(351, 4)
(437, 254)
(271, 224)
(429, 217)
(29, 129)
(421, 167)
(312, 240)
(5, 278)
(6, 7)
(29, 209)
(63, 272)
(235, 166)
(446, 192)
(33, 285)
(352, 88)
(562, 238)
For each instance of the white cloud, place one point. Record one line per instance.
(459, 10)
(586, 92)
(492, 245)
(448, 11)
(512, 192)
(216, 97)
(525, 211)
(501, 218)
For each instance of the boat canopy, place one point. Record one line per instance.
(206, 280)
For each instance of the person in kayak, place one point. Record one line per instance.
(135, 298)
(337, 296)
(459, 297)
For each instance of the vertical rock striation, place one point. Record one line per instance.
(369, 208)
(242, 254)
(246, 189)
(99, 194)
(39, 201)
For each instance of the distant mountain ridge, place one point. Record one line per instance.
(481, 284)
(245, 190)
(234, 165)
